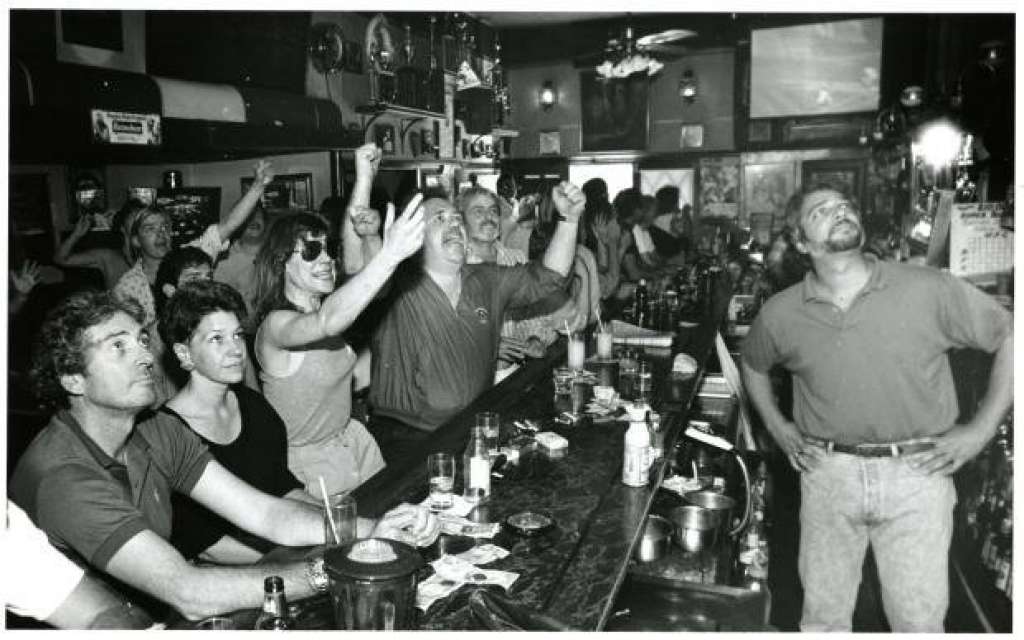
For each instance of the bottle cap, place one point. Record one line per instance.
(273, 584)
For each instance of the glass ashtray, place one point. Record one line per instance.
(529, 523)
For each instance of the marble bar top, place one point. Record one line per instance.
(574, 572)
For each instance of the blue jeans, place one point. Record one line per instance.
(907, 517)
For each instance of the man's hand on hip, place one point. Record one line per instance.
(954, 448)
(803, 454)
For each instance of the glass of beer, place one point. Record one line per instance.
(441, 480)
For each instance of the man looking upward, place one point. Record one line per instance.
(873, 432)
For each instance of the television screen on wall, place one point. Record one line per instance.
(815, 69)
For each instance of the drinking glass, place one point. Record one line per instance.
(562, 378)
(490, 422)
(628, 370)
(604, 343)
(441, 479)
(577, 351)
(216, 623)
(645, 382)
(340, 527)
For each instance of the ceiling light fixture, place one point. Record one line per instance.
(623, 60)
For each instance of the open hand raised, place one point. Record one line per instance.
(404, 236)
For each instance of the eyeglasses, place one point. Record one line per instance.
(311, 250)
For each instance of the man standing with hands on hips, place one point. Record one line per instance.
(873, 432)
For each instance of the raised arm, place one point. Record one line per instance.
(264, 175)
(359, 250)
(402, 238)
(569, 201)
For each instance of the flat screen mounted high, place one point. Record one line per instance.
(815, 69)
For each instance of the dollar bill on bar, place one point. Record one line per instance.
(433, 589)
(484, 554)
(456, 526)
(459, 570)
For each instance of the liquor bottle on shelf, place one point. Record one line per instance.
(407, 76)
(433, 90)
(274, 616)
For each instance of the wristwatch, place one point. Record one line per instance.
(316, 574)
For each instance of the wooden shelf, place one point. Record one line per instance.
(397, 109)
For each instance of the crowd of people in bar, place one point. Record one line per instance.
(207, 399)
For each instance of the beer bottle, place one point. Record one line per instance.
(274, 616)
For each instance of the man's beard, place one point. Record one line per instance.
(846, 241)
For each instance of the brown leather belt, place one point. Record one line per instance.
(880, 450)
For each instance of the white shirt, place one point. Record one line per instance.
(644, 243)
(36, 577)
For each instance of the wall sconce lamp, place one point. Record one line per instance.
(548, 96)
(688, 86)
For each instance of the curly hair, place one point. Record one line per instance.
(192, 302)
(60, 346)
(273, 255)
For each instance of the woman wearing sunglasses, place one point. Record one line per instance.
(306, 363)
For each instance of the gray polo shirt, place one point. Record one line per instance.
(88, 503)
(878, 372)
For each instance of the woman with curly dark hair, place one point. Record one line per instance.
(202, 324)
(305, 363)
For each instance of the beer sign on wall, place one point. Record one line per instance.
(120, 127)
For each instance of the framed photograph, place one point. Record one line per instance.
(691, 136)
(719, 195)
(287, 192)
(192, 209)
(845, 176)
(766, 189)
(614, 113)
(549, 143)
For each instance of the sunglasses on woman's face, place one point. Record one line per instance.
(311, 250)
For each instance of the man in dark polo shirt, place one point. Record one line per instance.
(873, 432)
(99, 483)
(437, 347)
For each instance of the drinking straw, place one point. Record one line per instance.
(694, 464)
(568, 333)
(327, 508)
(597, 312)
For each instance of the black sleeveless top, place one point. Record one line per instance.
(259, 456)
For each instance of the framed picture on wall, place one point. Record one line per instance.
(766, 189)
(614, 113)
(719, 195)
(549, 143)
(691, 136)
(286, 192)
(846, 176)
(192, 209)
